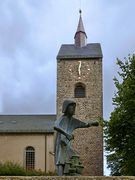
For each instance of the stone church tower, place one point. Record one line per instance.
(79, 77)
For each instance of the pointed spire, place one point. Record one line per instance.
(80, 35)
(80, 24)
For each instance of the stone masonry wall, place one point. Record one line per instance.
(88, 142)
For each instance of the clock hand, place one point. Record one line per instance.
(79, 68)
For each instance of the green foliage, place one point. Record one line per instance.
(10, 168)
(120, 130)
(14, 169)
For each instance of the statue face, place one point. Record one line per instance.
(70, 110)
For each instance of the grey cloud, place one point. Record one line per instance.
(27, 72)
(30, 36)
(29, 91)
(14, 28)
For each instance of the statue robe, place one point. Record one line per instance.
(63, 148)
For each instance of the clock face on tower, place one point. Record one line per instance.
(79, 68)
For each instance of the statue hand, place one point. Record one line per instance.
(93, 123)
(88, 124)
(70, 137)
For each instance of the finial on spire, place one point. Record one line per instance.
(80, 35)
(80, 11)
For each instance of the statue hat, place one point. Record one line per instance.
(66, 103)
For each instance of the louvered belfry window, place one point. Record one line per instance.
(30, 157)
(79, 91)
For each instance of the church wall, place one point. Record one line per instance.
(12, 148)
(50, 155)
(88, 142)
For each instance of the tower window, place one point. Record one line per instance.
(30, 157)
(79, 91)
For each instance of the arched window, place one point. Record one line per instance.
(30, 157)
(79, 91)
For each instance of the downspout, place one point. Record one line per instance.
(45, 153)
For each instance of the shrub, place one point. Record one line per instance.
(15, 169)
(10, 168)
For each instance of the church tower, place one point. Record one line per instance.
(79, 77)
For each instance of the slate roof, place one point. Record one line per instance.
(70, 51)
(27, 123)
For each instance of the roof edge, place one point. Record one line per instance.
(79, 56)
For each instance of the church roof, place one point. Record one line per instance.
(70, 51)
(27, 123)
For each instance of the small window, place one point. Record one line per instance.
(30, 157)
(79, 90)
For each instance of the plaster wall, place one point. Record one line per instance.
(12, 148)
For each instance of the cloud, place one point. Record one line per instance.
(28, 72)
(31, 33)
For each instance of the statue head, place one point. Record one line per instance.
(69, 107)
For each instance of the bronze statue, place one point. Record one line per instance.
(65, 155)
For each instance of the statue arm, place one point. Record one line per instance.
(81, 124)
(59, 129)
(93, 123)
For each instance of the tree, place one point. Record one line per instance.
(120, 129)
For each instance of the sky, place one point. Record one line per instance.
(31, 33)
